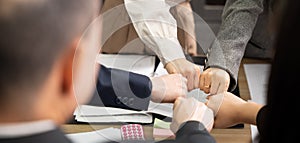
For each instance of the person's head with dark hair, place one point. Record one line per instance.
(38, 40)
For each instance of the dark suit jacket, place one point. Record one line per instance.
(123, 89)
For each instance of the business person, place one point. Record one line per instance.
(244, 32)
(43, 72)
(38, 44)
(52, 84)
(148, 27)
(274, 120)
(123, 38)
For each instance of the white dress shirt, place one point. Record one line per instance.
(14, 130)
(156, 27)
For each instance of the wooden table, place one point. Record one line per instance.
(230, 135)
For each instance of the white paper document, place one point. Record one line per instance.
(97, 136)
(141, 64)
(166, 109)
(97, 114)
(257, 78)
(160, 70)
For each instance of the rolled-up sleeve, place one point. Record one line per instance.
(156, 27)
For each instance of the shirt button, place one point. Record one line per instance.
(118, 101)
(130, 102)
(125, 100)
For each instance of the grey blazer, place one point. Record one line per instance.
(244, 32)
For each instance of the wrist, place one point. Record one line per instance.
(153, 89)
(156, 89)
(171, 66)
(248, 112)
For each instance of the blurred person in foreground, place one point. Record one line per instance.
(48, 52)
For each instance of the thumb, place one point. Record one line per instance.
(171, 68)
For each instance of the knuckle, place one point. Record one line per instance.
(209, 74)
(206, 91)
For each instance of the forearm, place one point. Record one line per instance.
(238, 21)
(248, 112)
(183, 14)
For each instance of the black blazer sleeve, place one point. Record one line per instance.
(261, 121)
(193, 132)
(123, 89)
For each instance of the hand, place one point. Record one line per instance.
(187, 69)
(167, 88)
(214, 80)
(189, 109)
(230, 110)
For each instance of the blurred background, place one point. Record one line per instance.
(210, 11)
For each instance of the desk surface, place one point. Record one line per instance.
(231, 135)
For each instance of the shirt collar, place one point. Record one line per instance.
(13, 130)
